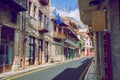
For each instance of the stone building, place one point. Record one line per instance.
(36, 43)
(88, 45)
(103, 17)
(29, 37)
(10, 27)
(64, 44)
(72, 46)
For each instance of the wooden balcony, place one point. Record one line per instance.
(72, 43)
(43, 29)
(59, 35)
(17, 5)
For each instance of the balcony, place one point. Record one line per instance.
(44, 2)
(18, 5)
(43, 28)
(59, 35)
(72, 43)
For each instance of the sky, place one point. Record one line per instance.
(67, 8)
(65, 4)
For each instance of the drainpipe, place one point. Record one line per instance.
(21, 38)
(22, 29)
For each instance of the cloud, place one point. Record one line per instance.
(65, 13)
(73, 13)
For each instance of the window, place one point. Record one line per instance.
(60, 30)
(54, 27)
(119, 10)
(34, 11)
(40, 43)
(45, 18)
(47, 22)
(40, 16)
(6, 54)
(31, 50)
(13, 17)
(2, 51)
(29, 8)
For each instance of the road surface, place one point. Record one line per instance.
(67, 71)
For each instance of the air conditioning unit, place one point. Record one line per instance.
(44, 2)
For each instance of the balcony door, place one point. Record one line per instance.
(40, 42)
(31, 51)
(6, 49)
(46, 52)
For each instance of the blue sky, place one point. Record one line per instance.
(67, 8)
(65, 4)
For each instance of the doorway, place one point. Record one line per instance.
(6, 49)
(31, 50)
(46, 52)
(40, 42)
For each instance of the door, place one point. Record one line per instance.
(6, 56)
(40, 52)
(32, 51)
(46, 52)
(6, 48)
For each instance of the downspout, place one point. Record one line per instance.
(23, 38)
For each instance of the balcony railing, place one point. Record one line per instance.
(43, 28)
(18, 5)
(59, 35)
(72, 43)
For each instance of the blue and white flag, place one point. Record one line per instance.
(57, 17)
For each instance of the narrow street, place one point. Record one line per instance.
(68, 71)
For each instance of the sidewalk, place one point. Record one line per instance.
(91, 74)
(5, 75)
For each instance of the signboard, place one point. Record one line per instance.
(98, 21)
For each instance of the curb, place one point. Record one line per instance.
(88, 72)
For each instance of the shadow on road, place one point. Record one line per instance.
(73, 73)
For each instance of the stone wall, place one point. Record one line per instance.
(7, 15)
(115, 37)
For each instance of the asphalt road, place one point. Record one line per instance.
(68, 71)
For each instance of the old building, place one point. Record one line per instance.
(64, 45)
(37, 26)
(72, 47)
(103, 18)
(29, 37)
(10, 25)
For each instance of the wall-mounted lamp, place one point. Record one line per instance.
(105, 30)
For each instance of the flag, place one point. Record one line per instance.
(58, 20)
